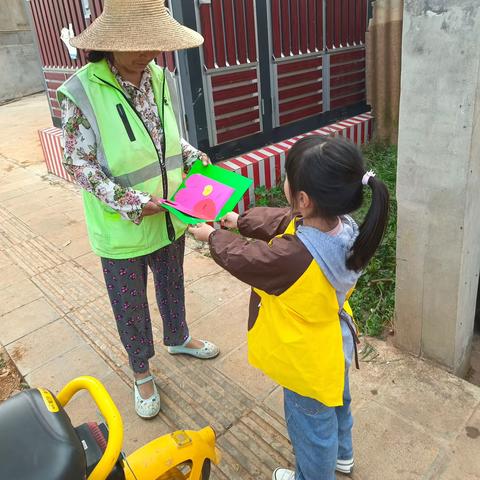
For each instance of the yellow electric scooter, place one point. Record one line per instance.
(38, 441)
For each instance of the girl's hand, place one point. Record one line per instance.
(201, 232)
(230, 220)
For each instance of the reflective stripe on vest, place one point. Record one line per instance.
(131, 179)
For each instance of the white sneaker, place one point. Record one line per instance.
(283, 474)
(146, 407)
(345, 466)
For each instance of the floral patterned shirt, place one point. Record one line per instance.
(80, 149)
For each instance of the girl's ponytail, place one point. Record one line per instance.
(373, 227)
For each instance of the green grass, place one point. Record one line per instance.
(270, 198)
(373, 302)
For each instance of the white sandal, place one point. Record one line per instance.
(209, 350)
(146, 407)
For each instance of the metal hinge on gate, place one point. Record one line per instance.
(204, 2)
(86, 9)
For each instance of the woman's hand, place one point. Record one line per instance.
(152, 207)
(230, 220)
(201, 232)
(205, 159)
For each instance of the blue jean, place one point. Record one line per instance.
(319, 434)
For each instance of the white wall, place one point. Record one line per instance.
(439, 180)
(20, 72)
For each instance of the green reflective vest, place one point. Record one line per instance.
(127, 155)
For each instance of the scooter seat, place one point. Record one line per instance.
(37, 439)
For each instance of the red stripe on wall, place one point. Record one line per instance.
(308, 112)
(231, 121)
(347, 68)
(227, 78)
(351, 22)
(311, 88)
(337, 32)
(295, 23)
(206, 25)
(231, 93)
(276, 28)
(350, 100)
(235, 106)
(303, 102)
(345, 20)
(331, 23)
(303, 26)
(301, 77)
(251, 30)
(219, 37)
(286, 38)
(312, 26)
(241, 32)
(345, 79)
(350, 56)
(230, 32)
(349, 89)
(289, 67)
(238, 133)
(319, 25)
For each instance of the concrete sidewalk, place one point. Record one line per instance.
(413, 420)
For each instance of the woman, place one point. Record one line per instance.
(122, 146)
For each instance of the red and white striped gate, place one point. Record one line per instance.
(231, 72)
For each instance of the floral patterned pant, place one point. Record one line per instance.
(126, 282)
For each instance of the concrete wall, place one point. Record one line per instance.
(438, 180)
(384, 49)
(20, 72)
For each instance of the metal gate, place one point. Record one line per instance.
(231, 73)
(274, 68)
(268, 70)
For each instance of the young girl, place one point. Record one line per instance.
(302, 269)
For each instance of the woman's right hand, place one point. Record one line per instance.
(152, 207)
(230, 220)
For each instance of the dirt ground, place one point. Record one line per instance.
(10, 380)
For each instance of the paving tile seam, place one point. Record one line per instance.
(49, 360)
(207, 275)
(247, 435)
(31, 331)
(108, 360)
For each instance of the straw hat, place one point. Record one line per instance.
(136, 25)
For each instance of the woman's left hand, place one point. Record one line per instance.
(201, 232)
(205, 159)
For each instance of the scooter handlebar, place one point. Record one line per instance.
(109, 412)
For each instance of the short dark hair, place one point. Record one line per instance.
(94, 56)
(330, 171)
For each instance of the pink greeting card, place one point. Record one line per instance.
(202, 197)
